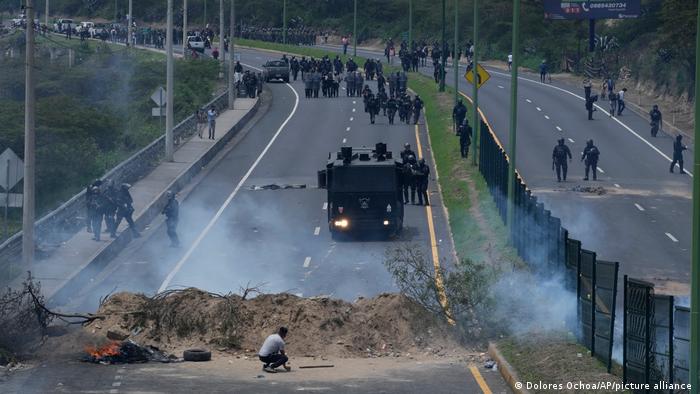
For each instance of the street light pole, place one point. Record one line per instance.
(513, 113)
(222, 56)
(28, 213)
(476, 126)
(284, 22)
(410, 23)
(128, 29)
(184, 28)
(695, 261)
(443, 49)
(455, 58)
(354, 32)
(231, 60)
(169, 148)
(46, 14)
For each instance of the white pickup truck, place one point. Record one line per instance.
(62, 25)
(195, 43)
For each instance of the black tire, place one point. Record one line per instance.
(196, 355)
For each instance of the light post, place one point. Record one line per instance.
(513, 113)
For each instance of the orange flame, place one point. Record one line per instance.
(111, 349)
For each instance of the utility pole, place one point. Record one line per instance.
(205, 13)
(410, 23)
(222, 54)
(231, 60)
(29, 144)
(476, 126)
(169, 149)
(116, 18)
(513, 113)
(46, 14)
(695, 260)
(130, 20)
(455, 58)
(284, 21)
(354, 32)
(443, 50)
(184, 28)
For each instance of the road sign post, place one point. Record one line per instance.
(455, 58)
(513, 113)
(476, 125)
(443, 50)
(28, 213)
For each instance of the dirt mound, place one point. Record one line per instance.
(389, 324)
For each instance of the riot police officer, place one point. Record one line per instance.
(465, 138)
(590, 155)
(391, 106)
(559, 155)
(172, 214)
(417, 107)
(656, 120)
(125, 209)
(372, 107)
(406, 152)
(422, 176)
(459, 112)
(96, 210)
(678, 149)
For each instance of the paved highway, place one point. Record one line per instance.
(643, 220)
(234, 233)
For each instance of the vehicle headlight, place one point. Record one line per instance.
(386, 222)
(342, 223)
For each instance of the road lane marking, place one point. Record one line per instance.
(434, 247)
(351, 118)
(353, 110)
(641, 208)
(480, 380)
(113, 391)
(347, 129)
(671, 237)
(546, 117)
(325, 206)
(634, 133)
(539, 109)
(529, 101)
(116, 384)
(572, 141)
(226, 203)
(354, 102)
(559, 128)
(500, 87)
(616, 185)
(600, 170)
(307, 261)
(345, 140)
(317, 231)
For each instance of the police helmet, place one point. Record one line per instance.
(407, 145)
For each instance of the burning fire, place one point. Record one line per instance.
(111, 349)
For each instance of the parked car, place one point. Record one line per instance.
(195, 43)
(98, 30)
(62, 25)
(84, 26)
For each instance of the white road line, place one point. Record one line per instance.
(307, 261)
(559, 128)
(118, 377)
(539, 109)
(223, 207)
(113, 391)
(600, 170)
(616, 184)
(117, 384)
(354, 102)
(671, 237)
(641, 208)
(347, 129)
(634, 133)
(325, 206)
(317, 231)
(529, 101)
(572, 141)
(351, 118)
(546, 117)
(353, 110)
(500, 87)
(345, 140)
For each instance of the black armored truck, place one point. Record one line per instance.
(364, 191)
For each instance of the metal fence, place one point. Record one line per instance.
(655, 331)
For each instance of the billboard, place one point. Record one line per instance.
(591, 9)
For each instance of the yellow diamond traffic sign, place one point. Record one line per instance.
(482, 75)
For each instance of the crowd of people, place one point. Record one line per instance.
(295, 35)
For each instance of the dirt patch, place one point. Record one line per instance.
(387, 325)
(554, 359)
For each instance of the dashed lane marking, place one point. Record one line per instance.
(671, 237)
(307, 262)
(354, 102)
(539, 109)
(325, 206)
(113, 391)
(572, 141)
(116, 384)
(546, 117)
(500, 87)
(529, 101)
(600, 170)
(226, 203)
(641, 208)
(351, 118)
(353, 110)
(345, 140)
(317, 231)
(480, 380)
(559, 128)
(616, 184)
(347, 129)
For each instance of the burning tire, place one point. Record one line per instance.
(196, 355)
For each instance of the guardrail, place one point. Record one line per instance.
(65, 221)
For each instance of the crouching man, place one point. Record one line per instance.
(272, 352)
